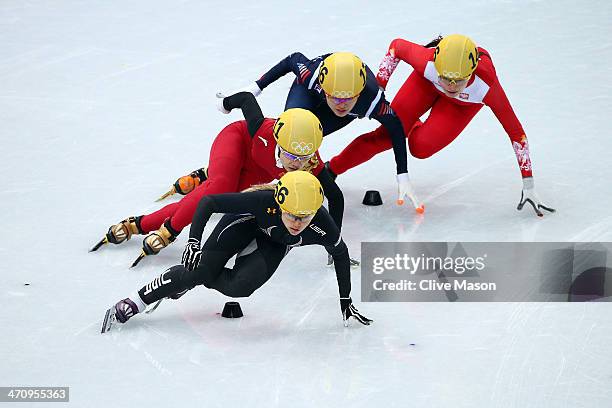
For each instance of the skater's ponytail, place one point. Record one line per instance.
(309, 167)
(260, 187)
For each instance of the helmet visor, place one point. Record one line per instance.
(299, 218)
(294, 157)
(453, 81)
(338, 101)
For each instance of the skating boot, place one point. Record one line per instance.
(157, 240)
(121, 312)
(187, 183)
(120, 232)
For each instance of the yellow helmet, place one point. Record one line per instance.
(298, 131)
(342, 75)
(299, 193)
(456, 57)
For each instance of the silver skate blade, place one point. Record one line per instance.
(152, 309)
(109, 320)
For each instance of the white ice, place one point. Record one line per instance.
(104, 104)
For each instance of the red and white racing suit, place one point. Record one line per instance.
(449, 115)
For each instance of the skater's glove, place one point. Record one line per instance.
(405, 189)
(252, 88)
(220, 107)
(349, 310)
(192, 254)
(353, 262)
(530, 196)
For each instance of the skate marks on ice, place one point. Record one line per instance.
(23, 61)
(599, 231)
(556, 349)
(446, 187)
(54, 101)
(87, 328)
(135, 67)
(311, 303)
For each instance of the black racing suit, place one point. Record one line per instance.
(253, 230)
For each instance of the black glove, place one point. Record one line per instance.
(192, 254)
(354, 262)
(349, 310)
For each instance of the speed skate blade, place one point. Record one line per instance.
(140, 258)
(109, 320)
(152, 309)
(99, 244)
(166, 195)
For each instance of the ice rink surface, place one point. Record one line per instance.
(104, 104)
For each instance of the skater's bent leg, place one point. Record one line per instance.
(445, 122)
(225, 163)
(153, 221)
(172, 281)
(231, 234)
(187, 206)
(360, 150)
(227, 156)
(251, 270)
(415, 97)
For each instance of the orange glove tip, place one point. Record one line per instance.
(400, 202)
(420, 209)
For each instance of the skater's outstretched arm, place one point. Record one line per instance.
(336, 247)
(251, 110)
(335, 198)
(230, 203)
(296, 63)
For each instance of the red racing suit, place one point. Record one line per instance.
(448, 117)
(237, 161)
